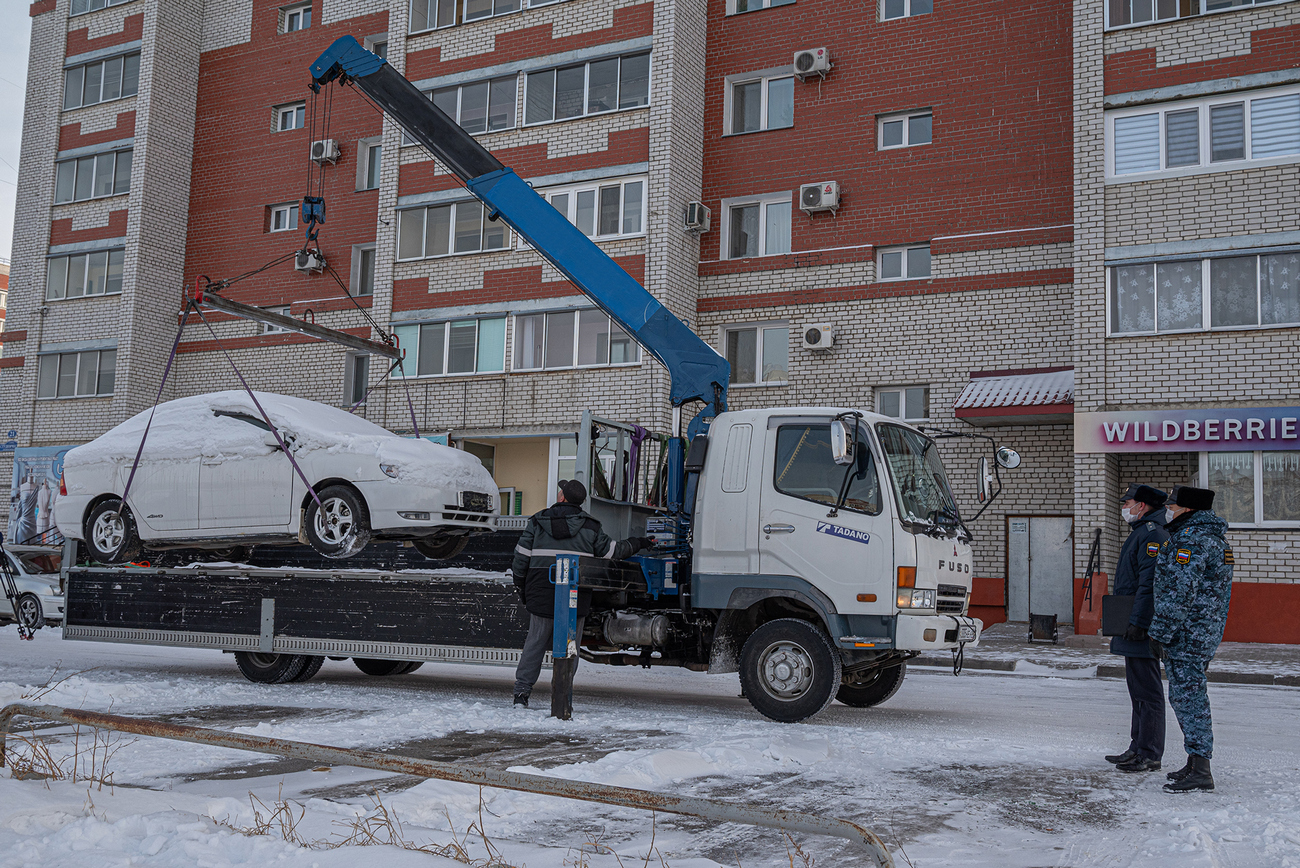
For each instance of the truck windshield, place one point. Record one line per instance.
(916, 471)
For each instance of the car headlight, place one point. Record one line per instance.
(910, 599)
(389, 469)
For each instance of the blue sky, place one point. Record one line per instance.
(15, 36)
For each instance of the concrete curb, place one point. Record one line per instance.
(1110, 670)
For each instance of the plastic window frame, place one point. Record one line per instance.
(451, 242)
(1200, 11)
(80, 354)
(1260, 523)
(299, 8)
(904, 249)
(94, 177)
(573, 189)
(522, 99)
(902, 402)
(765, 77)
(762, 201)
(46, 299)
(906, 118)
(288, 108)
(413, 358)
(759, 325)
(575, 311)
(135, 52)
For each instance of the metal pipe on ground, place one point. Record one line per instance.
(789, 821)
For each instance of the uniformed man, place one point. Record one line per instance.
(562, 529)
(1193, 585)
(1135, 577)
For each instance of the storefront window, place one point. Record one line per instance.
(1255, 488)
(1232, 477)
(1280, 478)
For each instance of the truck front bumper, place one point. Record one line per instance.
(929, 632)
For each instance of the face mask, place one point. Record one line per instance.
(1128, 515)
(1169, 514)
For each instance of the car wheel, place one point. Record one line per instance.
(872, 688)
(269, 668)
(29, 613)
(309, 669)
(440, 547)
(339, 526)
(789, 670)
(381, 668)
(110, 533)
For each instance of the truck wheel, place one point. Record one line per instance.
(411, 667)
(340, 526)
(29, 613)
(381, 668)
(789, 670)
(309, 669)
(110, 533)
(439, 548)
(269, 668)
(872, 688)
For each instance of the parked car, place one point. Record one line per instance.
(213, 475)
(39, 586)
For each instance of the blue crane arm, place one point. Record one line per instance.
(697, 371)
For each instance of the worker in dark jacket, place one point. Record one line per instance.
(1192, 589)
(1143, 508)
(563, 529)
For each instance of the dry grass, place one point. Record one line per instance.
(31, 757)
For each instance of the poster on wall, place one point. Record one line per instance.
(33, 493)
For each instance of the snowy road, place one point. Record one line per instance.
(982, 770)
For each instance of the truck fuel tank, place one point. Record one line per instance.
(631, 628)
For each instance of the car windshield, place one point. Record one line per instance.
(39, 562)
(916, 472)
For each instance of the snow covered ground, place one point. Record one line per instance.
(981, 770)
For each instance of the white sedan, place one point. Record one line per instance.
(212, 475)
(37, 586)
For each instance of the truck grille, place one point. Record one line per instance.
(951, 600)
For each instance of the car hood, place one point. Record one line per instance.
(420, 462)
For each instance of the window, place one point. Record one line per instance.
(76, 375)
(467, 346)
(92, 177)
(82, 6)
(613, 84)
(284, 218)
(380, 47)
(291, 117)
(757, 227)
(296, 18)
(356, 377)
(476, 9)
(571, 338)
(1197, 294)
(602, 209)
(442, 230)
(909, 403)
(270, 328)
(363, 270)
(481, 107)
(1205, 135)
(806, 469)
(890, 9)
(98, 273)
(764, 102)
(1123, 13)
(903, 263)
(737, 6)
(758, 354)
(373, 158)
(905, 130)
(1254, 488)
(428, 14)
(101, 81)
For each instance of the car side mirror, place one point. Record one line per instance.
(1008, 458)
(841, 442)
(985, 481)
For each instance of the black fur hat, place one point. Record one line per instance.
(1192, 498)
(1152, 497)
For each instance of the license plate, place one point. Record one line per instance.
(966, 633)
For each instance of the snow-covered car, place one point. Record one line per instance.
(213, 476)
(38, 585)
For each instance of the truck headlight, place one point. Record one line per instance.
(911, 599)
(389, 470)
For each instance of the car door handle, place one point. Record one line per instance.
(778, 528)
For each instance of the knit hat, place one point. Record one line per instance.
(574, 491)
(1152, 497)
(1192, 498)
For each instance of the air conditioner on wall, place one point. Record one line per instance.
(698, 217)
(822, 196)
(309, 262)
(812, 61)
(324, 151)
(819, 337)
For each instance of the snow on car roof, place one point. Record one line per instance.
(202, 426)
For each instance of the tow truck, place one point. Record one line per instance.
(812, 549)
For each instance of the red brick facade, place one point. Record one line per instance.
(70, 135)
(61, 231)
(1271, 50)
(79, 41)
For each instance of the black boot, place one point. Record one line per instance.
(521, 698)
(1139, 763)
(1117, 758)
(1181, 773)
(1198, 778)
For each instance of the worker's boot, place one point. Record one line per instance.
(521, 698)
(1199, 778)
(1181, 773)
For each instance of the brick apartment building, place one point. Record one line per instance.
(995, 204)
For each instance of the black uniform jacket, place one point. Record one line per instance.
(563, 529)
(1135, 576)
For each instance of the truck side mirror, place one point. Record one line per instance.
(841, 442)
(1008, 458)
(985, 481)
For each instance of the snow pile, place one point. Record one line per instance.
(189, 429)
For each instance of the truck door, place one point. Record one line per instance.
(844, 555)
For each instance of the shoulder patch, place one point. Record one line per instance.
(1227, 556)
(1165, 544)
(1183, 556)
(1153, 549)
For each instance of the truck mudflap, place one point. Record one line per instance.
(930, 632)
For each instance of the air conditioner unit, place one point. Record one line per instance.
(309, 262)
(823, 196)
(324, 151)
(812, 61)
(819, 337)
(698, 217)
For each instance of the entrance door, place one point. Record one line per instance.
(1040, 567)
